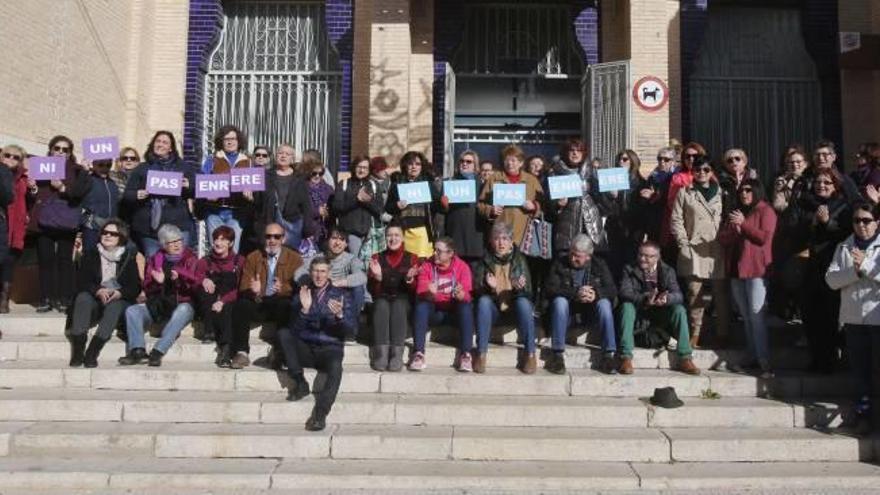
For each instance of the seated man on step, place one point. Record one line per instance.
(322, 316)
(649, 289)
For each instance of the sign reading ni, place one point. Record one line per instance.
(47, 167)
(100, 148)
(247, 179)
(460, 191)
(212, 186)
(508, 194)
(613, 179)
(164, 183)
(414, 192)
(565, 186)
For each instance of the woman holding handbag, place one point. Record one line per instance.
(56, 217)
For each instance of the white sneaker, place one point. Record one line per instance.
(418, 362)
(465, 364)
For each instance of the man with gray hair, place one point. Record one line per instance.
(580, 284)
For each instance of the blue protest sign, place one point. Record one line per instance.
(460, 191)
(508, 194)
(565, 186)
(613, 179)
(414, 192)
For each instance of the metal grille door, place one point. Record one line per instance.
(606, 115)
(275, 75)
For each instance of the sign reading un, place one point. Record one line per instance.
(414, 192)
(508, 194)
(460, 191)
(100, 148)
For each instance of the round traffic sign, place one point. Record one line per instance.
(650, 93)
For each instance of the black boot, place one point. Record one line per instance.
(224, 356)
(5, 289)
(155, 358)
(44, 307)
(77, 350)
(94, 350)
(317, 421)
(135, 356)
(299, 389)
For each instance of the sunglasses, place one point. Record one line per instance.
(734, 159)
(863, 220)
(14, 157)
(664, 159)
(276, 237)
(624, 159)
(111, 233)
(691, 156)
(705, 170)
(317, 173)
(465, 160)
(746, 189)
(129, 158)
(61, 149)
(261, 155)
(174, 241)
(825, 182)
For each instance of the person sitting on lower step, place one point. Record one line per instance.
(322, 316)
(649, 290)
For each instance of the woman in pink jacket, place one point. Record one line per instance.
(443, 288)
(748, 238)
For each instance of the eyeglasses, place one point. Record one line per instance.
(442, 251)
(276, 237)
(745, 190)
(61, 149)
(823, 154)
(261, 155)
(466, 160)
(825, 182)
(174, 241)
(734, 159)
(863, 220)
(129, 158)
(704, 170)
(115, 234)
(14, 157)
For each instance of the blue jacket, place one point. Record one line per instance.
(319, 325)
(102, 199)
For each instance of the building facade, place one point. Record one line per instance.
(382, 77)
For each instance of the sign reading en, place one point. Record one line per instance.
(212, 186)
(565, 186)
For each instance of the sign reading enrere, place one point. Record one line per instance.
(247, 179)
(212, 186)
(100, 148)
(164, 183)
(46, 167)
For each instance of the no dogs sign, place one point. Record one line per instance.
(650, 93)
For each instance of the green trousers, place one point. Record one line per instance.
(672, 318)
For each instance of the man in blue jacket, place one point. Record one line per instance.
(322, 315)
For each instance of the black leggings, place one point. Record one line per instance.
(7, 267)
(55, 255)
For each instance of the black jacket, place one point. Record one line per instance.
(413, 216)
(822, 239)
(296, 206)
(355, 217)
(89, 274)
(635, 289)
(467, 228)
(102, 198)
(175, 210)
(568, 221)
(560, 280)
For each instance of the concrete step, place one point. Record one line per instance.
(139, 475)
(433, 410)
(224, 440)
(444, 381)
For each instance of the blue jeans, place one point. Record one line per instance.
(488, 313)
(750, 296)
(224, 217)
(862, 344)
(150, 245)
(137, 317)
(601, 311)
(427, 313)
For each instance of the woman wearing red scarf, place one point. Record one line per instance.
(516, 216)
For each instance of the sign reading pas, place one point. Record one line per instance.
(460, 191)
(47, 167)
(100, 148)
(414, 192)
(164, 183)
(565, 186)
(508, 194)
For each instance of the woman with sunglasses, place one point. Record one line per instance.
(569, 216)
(417, 219)
(150, 211)
(736, 170)
(748, 238)
(855, 271)
(826, 219)
(18, 199)
(625, 231)
(682, 177)
(56, 217)
(262, 157)
(320, 194)
(107, 283)
(695, 223)
(127, 161)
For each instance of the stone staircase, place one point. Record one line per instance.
(190, 427)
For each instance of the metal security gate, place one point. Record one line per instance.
(606, 109)
(755, 86)
(275, 75)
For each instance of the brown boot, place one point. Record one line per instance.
(686, 365)
(480, 363)
(531, 364)
(626, 366)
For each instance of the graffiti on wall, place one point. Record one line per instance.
(390, 132)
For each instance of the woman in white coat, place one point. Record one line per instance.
(855, 271)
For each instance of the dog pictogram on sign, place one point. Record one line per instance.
(650, 93)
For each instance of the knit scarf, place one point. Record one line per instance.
(862, 244)
(157, 203)
(109, 260)
(708, 192)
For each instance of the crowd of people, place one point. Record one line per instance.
(643, 265)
